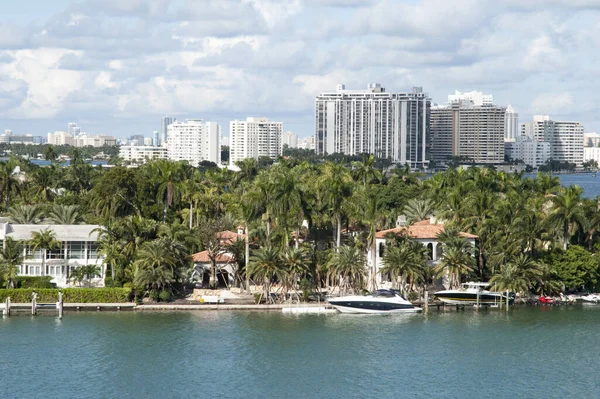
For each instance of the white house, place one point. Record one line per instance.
(79, 248)
(426, 232)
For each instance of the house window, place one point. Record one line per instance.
(55, 253)
(76, 250)
(92, 250)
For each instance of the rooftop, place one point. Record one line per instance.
(421, 230)
(202, 257)
(63, 232)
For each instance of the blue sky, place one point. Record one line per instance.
(117, 66)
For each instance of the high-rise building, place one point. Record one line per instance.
(194, 141)
(136, 139)
(290, 139)
(155, 139)
(165, 122)
(463, 129)
(254, 138)
(565, 137)
(73, 129)
(511, 128)
(60, 138)
(388, 125)
(95, 140)
(476, 97)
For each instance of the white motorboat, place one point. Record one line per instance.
(379, 301)
(470, 293)
(591, 298)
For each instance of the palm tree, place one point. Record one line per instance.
(11, 257)
(567, 213)
(82, 273)
(349, 263)
(154, 267)
(266, 264)
(336, 187)
(169, 176)
(455, 262)
(25, 214)
(44, 240)
(43, 180)
(405, 262)
(50, 154)
(417, 209)
(295, 262)
(518, 275)
(9, 184)
(365, 171)
(286, 201)
(65, 214)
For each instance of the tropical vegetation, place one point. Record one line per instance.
(310, 220)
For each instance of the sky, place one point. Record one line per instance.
(117, 66)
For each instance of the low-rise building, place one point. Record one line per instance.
(79, 247)
(138, 155)
(525, 148)
(425, 232)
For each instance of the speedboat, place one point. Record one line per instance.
(591, 298)
(470, 293)
(379, 301)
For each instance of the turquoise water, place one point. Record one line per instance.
(537, 352)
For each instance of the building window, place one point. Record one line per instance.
(92, 250)
(76, 250)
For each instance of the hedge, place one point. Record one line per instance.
(34, 282)
(70, 295)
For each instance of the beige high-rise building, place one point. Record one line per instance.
(254, 138)
(466, 130)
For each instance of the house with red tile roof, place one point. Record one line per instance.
(426, 232)
(225, 261)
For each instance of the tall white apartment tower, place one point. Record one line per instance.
(254, 138)
(194, 141)
(165, 122)
(565, 137)
(388, 125)
(511, 124)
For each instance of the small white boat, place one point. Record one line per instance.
(591, 298)
(380, 301)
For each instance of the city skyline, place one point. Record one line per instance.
(118, 67)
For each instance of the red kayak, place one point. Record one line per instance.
(546, 299)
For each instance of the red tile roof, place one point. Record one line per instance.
(202, 257)
(229, 237)
(420, 230)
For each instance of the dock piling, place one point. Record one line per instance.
(59, 305)
(426, 299)
(34, 304)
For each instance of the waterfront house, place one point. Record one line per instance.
(79, 247)
(225, 261)
(426, 232)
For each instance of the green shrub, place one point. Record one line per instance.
(257, 297)
(164, 296)
(154, 295)
(34, 282)
(413, 296)
(70, 295)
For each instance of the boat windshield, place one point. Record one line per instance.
(386, 293)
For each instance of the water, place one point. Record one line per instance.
(43, 162)
(542, 352)
(588, 181)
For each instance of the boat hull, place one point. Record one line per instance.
(372, 307)
(466, 298)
